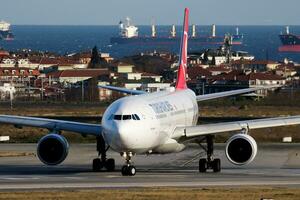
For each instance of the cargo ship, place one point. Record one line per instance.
(5, 32)
(129, 35)
(290, 42)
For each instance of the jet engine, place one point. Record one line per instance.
(52, 149)
(241, 149)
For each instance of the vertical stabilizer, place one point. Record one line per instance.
(181, 74)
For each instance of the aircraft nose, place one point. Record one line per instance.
(123, 131)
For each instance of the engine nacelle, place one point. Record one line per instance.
(241, 149)
(52, 149)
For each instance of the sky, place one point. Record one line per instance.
(143, 12)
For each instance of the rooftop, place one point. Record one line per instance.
(79, 73)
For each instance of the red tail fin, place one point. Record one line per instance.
(181, 74)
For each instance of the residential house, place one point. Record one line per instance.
(254, 65)
(76, 75)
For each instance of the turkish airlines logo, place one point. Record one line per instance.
(184, 51)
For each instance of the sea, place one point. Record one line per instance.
(260, 41)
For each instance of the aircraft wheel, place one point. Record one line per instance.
(128, 170)
(202, 165)
(216, 165)
(97, 164)
(124, 170)
(131, 170)
(110, 165)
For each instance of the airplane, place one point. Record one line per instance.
(153, 123)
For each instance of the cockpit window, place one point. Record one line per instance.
(117, 117)
(136, 116)
(133, 117)
(126, 117)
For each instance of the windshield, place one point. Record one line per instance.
(124, 117)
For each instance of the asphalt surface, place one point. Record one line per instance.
(275, 165)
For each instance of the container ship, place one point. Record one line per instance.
(129, 35)
(290, 42)
(5, 32)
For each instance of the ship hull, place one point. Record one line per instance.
(290, 39)
(290, 43)
(169, 40)
(289, 48)
(6, 35)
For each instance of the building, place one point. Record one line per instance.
(17, 74)
(76, 75)
(238, 80)
(149, 87)
(132, 76)
(254, 65)
(7, 91)
(221, 69)
(104, 94)
(218, 56)
(155, 77)
(286, 70)
(121, 67)
(106, 57)
(198, 72)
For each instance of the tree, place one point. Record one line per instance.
(213, 62)
(95, 59)
(205, 57)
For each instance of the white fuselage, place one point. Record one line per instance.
(143, 123)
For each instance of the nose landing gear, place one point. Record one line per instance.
(102, 161)
(128, 169)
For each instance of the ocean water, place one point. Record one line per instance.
(260, 41)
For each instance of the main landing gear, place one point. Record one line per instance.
(210, 162)
(128, 169)
(102, 161)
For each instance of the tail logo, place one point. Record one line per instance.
(181, 74)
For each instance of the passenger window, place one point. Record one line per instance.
(117, 117)
(111, 117)
(126, 117)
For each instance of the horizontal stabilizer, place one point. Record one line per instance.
(123, 90)
(227, 93)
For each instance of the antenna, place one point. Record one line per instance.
(153, 28)
(128, 21)
(173, 31)
(213, 30)
(194, 30)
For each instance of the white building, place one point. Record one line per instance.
(150, 87)
(7, 91)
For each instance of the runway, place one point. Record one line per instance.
(275, 165)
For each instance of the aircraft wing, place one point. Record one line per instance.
(52, 124)
(123, 90)
(216, 128)
(226, 94)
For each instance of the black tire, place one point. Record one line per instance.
(131, 171)
(97, 165)
(110, 165)
(202, 165)
(124, 170)
(216, 165)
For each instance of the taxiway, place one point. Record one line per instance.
(275, 164)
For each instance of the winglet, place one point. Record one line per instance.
(181, 74)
